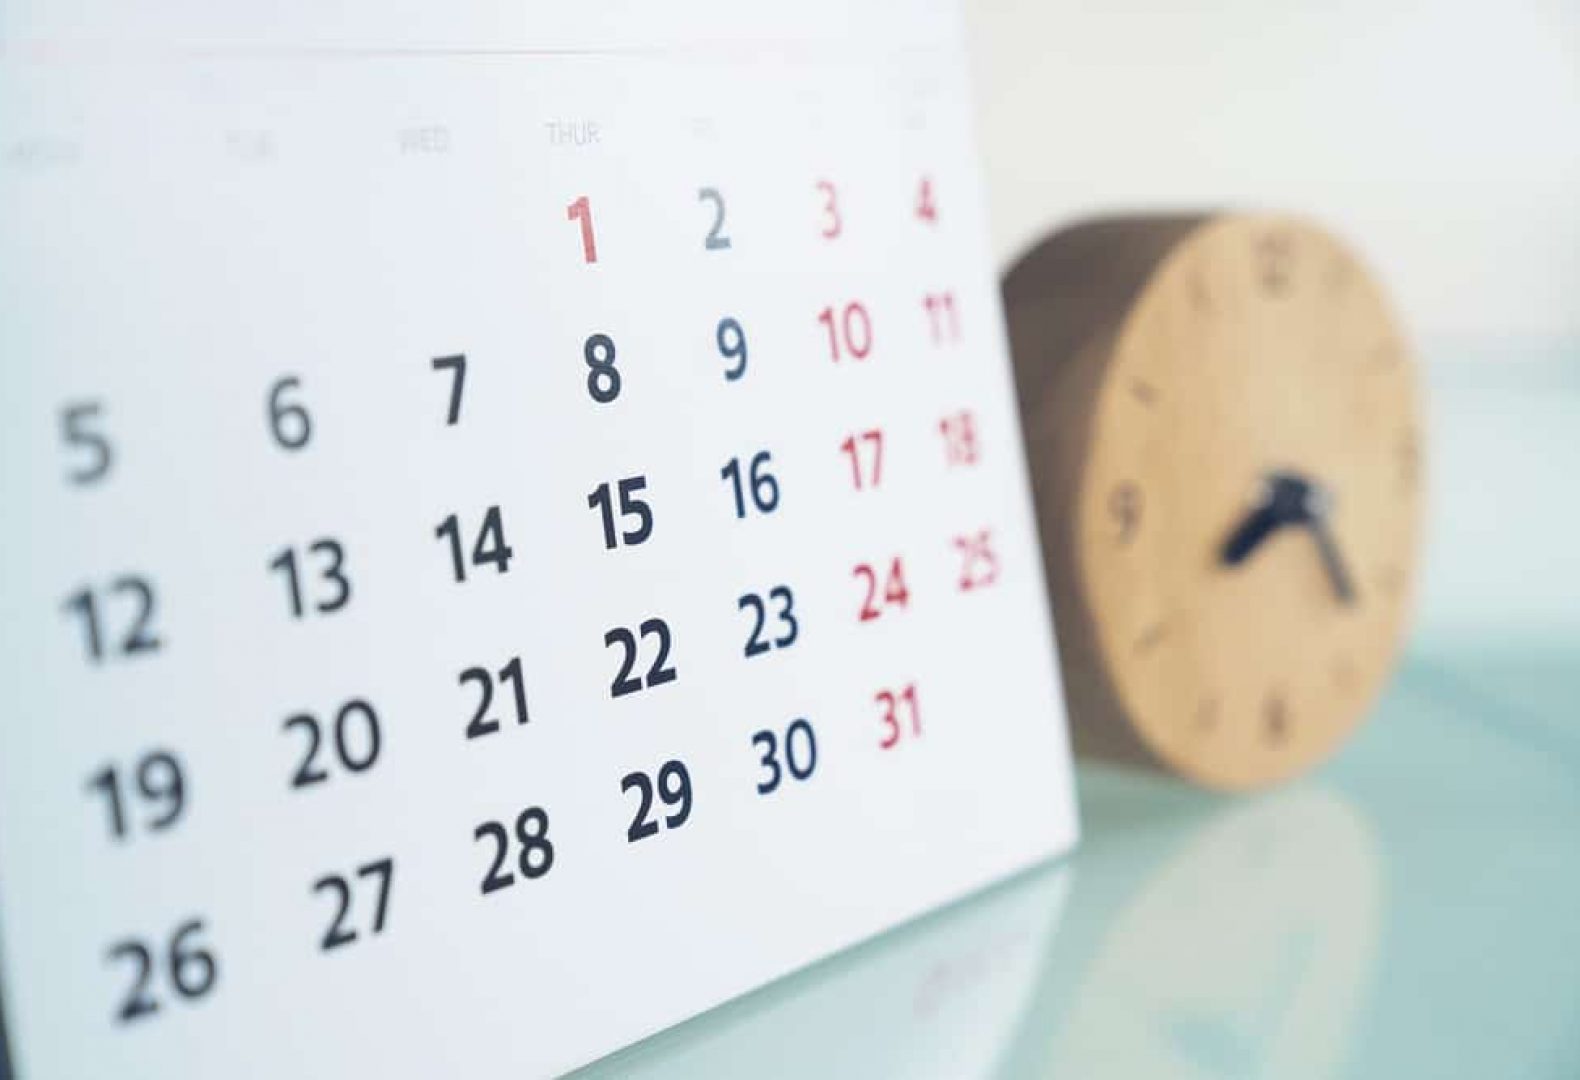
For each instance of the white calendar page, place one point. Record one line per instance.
(515, 529)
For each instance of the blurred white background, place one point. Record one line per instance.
(1442, 139)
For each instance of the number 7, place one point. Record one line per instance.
(456, 365)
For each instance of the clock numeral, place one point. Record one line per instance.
(1125, 506)
(1275, 259)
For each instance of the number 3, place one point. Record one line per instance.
(832, 224)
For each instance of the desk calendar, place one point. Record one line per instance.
(515, 528)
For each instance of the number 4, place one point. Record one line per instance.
(926, 208)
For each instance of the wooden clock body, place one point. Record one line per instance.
(1167, 369)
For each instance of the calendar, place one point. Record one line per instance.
(516, 528)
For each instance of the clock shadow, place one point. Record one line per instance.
(1208, 936)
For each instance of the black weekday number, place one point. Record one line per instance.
(786, 629)
(603, 378)
(483, 722)
(488, 549)
(758, 489)
(731, 340)
(289, 421)
(795, 754)
(672, 788)
(181, 967)
(131, 600)
(80, 430)
(371, 879)
(156, 786)
(354, 737)
(455, 367)
(323, 564)
(532, 848)
(716, 240)
(659, 670)
(627, 517)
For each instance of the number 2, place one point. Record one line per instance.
(715, 240)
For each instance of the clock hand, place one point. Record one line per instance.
(1283, 502)
(1317, 508)
(1338, 573)
(1255, 527)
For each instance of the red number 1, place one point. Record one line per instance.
(581, 210)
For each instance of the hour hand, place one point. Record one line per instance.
(1283, 502)
(1257, 526)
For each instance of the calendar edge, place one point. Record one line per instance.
(1058, 852)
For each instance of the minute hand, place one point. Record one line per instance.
(1332, 561)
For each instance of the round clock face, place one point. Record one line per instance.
(1248, 509)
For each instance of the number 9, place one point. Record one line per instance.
(731, 340)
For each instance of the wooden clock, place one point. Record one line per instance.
(1223, 429)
